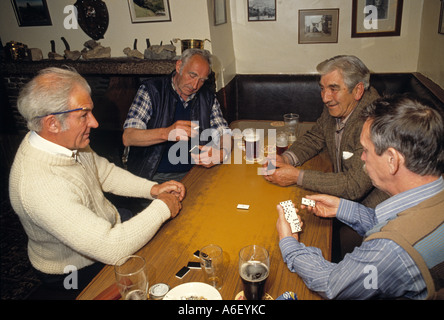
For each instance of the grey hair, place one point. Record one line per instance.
(188, 53)
(46, 93)
(411, 127)
(353, 70)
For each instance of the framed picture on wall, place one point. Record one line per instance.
(441, 19)
(318, 26)
(376, 18)
(261, 10)
(220, 12)
(149, 10)
(31, 13)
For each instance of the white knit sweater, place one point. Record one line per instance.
(68, 220)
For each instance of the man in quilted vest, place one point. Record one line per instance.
(402, 255)
(171, 116)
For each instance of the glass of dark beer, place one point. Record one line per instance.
(252, 144)
(254, 266)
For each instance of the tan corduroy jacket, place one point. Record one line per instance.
(348, 181)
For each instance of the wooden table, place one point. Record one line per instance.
(210, 216)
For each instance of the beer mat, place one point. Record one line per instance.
(256, 160)
(277, 124)
(241, 296)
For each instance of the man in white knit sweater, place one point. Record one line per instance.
(57, 183)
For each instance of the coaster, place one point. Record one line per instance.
(240, 296)
(256, 160)
(277, 124)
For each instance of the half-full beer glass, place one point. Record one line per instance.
(281, 143)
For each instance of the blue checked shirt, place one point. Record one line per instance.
(397, 273)
(141, 111)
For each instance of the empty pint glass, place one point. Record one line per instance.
(131, 277)
(252, 144)
(254, 266)
(211, 262)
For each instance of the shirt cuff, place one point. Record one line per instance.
(151, 184)
(134, 123)
(294, 161)
(345, 210)
(288, 245)
(300, 177)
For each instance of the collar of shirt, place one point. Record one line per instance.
(389, 209)
(42, 144)
(185, 103)
(340, 124)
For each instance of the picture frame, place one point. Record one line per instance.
(376, 18)
(261, 10)
(318, 26)
(157, 11)
(31, 13)
(441, 19)
(220, 12)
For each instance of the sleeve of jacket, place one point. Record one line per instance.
(352, 182)
(312, 142)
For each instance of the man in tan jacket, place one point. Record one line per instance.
(345, 90)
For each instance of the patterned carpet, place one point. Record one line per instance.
(17, 279)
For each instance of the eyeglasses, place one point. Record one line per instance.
(62, 112)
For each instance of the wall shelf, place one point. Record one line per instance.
(112, 66)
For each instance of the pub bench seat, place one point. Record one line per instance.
(268, 97)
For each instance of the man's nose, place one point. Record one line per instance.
(326, 95)
(93, 123)
(195, 83)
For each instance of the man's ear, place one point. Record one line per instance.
(51, 124)
(394, 160)
(178, 65)
(358, 91)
